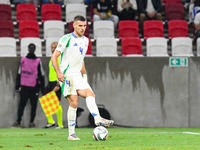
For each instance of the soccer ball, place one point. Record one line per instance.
(100, 133)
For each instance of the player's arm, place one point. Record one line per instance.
(83, 71)
(54, 58)
(57, 87)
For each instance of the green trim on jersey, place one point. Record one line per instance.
(62, 88)
(63, 39)
(68, 43)
(63, 85)
(66, 69)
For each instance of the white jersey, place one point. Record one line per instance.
(72, 50)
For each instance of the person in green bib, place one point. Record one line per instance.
(52, 85)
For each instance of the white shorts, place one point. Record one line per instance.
(72, 84)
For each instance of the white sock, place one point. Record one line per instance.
(71, 116)
(92, 106)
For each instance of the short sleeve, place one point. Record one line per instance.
(197, 18)
(62, 44)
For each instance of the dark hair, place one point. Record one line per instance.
(31, 46)
(80, 18)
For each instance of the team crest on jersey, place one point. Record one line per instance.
(60, 45)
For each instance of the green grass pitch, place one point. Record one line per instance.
(118, 139)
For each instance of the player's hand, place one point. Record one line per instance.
(61, 77)
(56, 88)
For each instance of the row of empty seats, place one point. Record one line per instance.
(30, 28)
(107, 46)
(65, 1)
(8, 46)
(153, 28)
(48, 12)
(56, 28)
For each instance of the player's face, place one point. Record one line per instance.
(53, 47)
(79, 28)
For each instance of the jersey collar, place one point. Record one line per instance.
(76, 36)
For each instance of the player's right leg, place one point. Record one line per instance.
(71, 116)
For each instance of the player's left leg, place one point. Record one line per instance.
(92, 106)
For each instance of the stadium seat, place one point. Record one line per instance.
(89, 51)
(91, 13)
(24, 46)
(50, 40)
(129, 28)
(5, 12)
(26, 12)
(28, 29)
(71, 29)
(156, 46)
(74, 9)
(106, 47)
(103, 28)
(73, 1)
(50, 12)
(172, 1)
(174, 12)
(182, 46)
(53, 28)
(198, 47)
(177, 28)
(6, 28)
(131, 46)
(153, 28)
(7, 47)
(4, 1)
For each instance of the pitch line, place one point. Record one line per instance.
(192, 133)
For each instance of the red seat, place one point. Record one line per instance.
(5, 12)
(71, 29)
(26, 12)
(172, 1)
(177, 28)
(89, 51)
(128, 29)
(28, 29)
(6, 28)
(91, 13)
(153, 28)
(131, 45)
(51, 12)
(174, 12)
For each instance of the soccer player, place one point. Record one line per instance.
(72, 75)
(52, 86)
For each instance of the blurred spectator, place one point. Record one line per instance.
(197, 22)
(60, 2)
(89, 2)
(189, 4)
(126, 9)
(196, 3)
(149, 10)
(102, 10)
(30, 79)
(36, 2)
